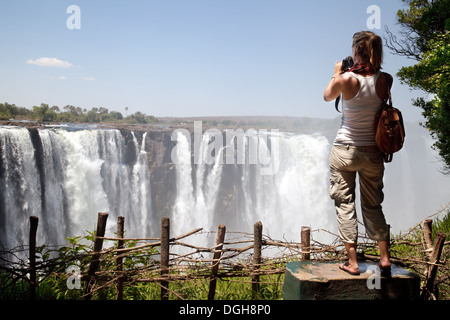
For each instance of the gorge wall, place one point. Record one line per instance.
(65, 175)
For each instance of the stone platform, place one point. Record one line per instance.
(313, 280)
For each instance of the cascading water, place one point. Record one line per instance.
(295, 194)
(66, 176)
(196, 194)
(19, 186)
(279, 179)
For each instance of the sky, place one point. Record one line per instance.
(187, 57)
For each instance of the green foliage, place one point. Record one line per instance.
(53, 272)
(69, 113)
(443, 225)
(427, 34)
(9, 111)
(54, 276)
(432, 74)
(426, 19)
(409, 248)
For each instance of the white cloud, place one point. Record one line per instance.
(88, 78)
(50, 62)
(62, 78)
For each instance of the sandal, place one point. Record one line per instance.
(346, 264)
(385, 271)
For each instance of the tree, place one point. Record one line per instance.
(40, 112)
(115, 115)
(426, 38)
(139, 117)
(5, 114)
(93, 115)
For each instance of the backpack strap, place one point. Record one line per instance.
(389, 81)
(388, 157)
(336, 103)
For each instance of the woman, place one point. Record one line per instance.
(354, 151)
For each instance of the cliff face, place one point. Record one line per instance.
(158, 146)
(108, 162)
(163, 178)
(67, 176)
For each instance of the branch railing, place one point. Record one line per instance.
(229, 258)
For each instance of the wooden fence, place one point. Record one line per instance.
(171, 269)
(235, 257)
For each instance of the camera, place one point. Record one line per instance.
(347, 64)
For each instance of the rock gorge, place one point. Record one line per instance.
(65, 174)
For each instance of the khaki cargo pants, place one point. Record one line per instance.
(368, 162)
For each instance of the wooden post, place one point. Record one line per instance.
(432, 269)
(95, 261)
(426, 238)
(165, 241)
(306, 242)
(215, 264)
(120, 228)
(257, 235)
(32, 251)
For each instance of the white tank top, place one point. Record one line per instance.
(358, 114)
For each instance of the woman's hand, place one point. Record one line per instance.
(337, 68)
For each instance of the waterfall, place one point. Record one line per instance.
(415, 187)
(65, 177)
(196, 194)
(20, 187)
(142, 190)
(296, 194)
(283, 183)
(235, 178)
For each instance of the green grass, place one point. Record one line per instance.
(238, 288)
(410, 248)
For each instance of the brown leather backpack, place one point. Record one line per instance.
(389, 128)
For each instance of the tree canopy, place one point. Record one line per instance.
(426, 38)
(69, 113)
